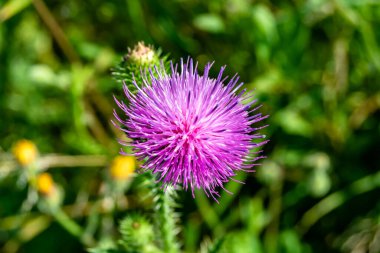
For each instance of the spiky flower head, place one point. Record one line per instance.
(191, 129)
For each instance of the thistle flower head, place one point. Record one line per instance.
(191, 129)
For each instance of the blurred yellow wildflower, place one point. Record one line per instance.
(45, 184)
(25, 152)
(122, 167)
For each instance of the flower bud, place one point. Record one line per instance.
(137, 234)
(137, 61)
(142, 54)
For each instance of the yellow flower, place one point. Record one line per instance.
(45, 183)
(122, 167)
(25, 152)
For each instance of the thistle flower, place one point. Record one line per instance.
(191, 129)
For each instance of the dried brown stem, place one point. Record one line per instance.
(56, 30)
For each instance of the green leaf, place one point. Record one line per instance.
(265, 22)
(12, 8)
(209, 23)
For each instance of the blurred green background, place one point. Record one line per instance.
(315, 66)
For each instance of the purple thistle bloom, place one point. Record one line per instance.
(191, 129)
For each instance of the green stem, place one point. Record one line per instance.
(68, 224)
(208, 213)
(336, 199)
(226, 198)
(166, 220)
(274, 209)
(165, 217)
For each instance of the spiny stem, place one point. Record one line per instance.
(165, 217)
(167, 223)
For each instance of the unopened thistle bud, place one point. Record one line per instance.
(25, 152)
(136, 61)
(137, 234)
(142, 54)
